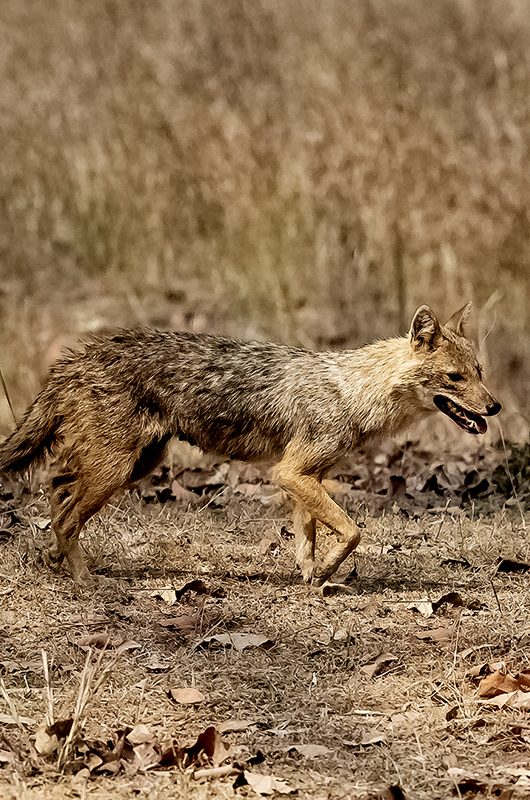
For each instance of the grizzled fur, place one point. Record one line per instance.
(108, 410)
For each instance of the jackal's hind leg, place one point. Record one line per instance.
(75, 497)
(304, 541)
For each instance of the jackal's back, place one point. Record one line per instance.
(242, 399)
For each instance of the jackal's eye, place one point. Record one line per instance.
(455, 376)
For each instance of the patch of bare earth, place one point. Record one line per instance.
(202, 667)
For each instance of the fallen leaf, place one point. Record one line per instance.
(45, 744)
(172, 594)
(155, 664)
(267, 494)
(266, 784)
(456, 562)
(233, 725)
(309, 750)
(239, 641)
(368, 738)
(434, 635)
(509, 565)
(42, 522)
(201, 478)
(429, 607)
(182, 622)
(497, 682)
(183, 495)
(139, 735)
(269, 544)
(8, 719)
(128, 645)
(146, 756)
(187, 695)
(337, 488)
(168, 595)
(209, 748)
(98, 640)
(378, 664)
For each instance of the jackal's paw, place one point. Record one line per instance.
(308, 571)
(53, 558)
(329, 588)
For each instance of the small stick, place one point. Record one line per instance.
(216, 772)
(49, 691)
(495, 595)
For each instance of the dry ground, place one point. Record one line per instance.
(413, 726)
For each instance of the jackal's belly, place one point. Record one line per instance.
(241, 439)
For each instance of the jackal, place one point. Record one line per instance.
(108, 410)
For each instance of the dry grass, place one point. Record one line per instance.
(307, 171)
(308, 689)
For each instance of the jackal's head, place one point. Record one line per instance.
(448, 372)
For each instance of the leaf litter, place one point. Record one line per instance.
(375, 628)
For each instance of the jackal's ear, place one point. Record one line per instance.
(457, 322)
(425, 330)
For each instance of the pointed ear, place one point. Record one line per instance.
(425, 330)
(457, 322)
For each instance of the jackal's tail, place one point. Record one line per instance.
(33, 438)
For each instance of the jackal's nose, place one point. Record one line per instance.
(493, 409)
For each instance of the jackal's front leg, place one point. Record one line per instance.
(305, 530)
(307, 491)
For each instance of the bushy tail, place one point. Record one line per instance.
(33, 438)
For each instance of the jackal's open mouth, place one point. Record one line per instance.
(467, 420)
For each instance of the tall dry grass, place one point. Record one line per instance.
(300, 170)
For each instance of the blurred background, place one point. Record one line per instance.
(303, 171)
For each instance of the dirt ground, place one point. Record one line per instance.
(387, 692)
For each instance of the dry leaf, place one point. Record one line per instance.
(182, 622)
(429, 607)
(267, 494)
(139, 735)
(128, 645)
(233, 725)
(239, 641)
(146, 756)
(209, 748)
(269, 544)
(435, 635)
(171, 595)
(266, 784)
(97, 640)
(7, 757)
(183, 495)
(516, 699)
(8, 719)
(509, 565)
(48, 737)
(168, 595)
(337, 488)
(155, 664)
(42, 522)
(309, 750)
(378, 664)
(368, 738)
(187, 695)
(497, 683)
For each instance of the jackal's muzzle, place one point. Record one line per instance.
(469, 421)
